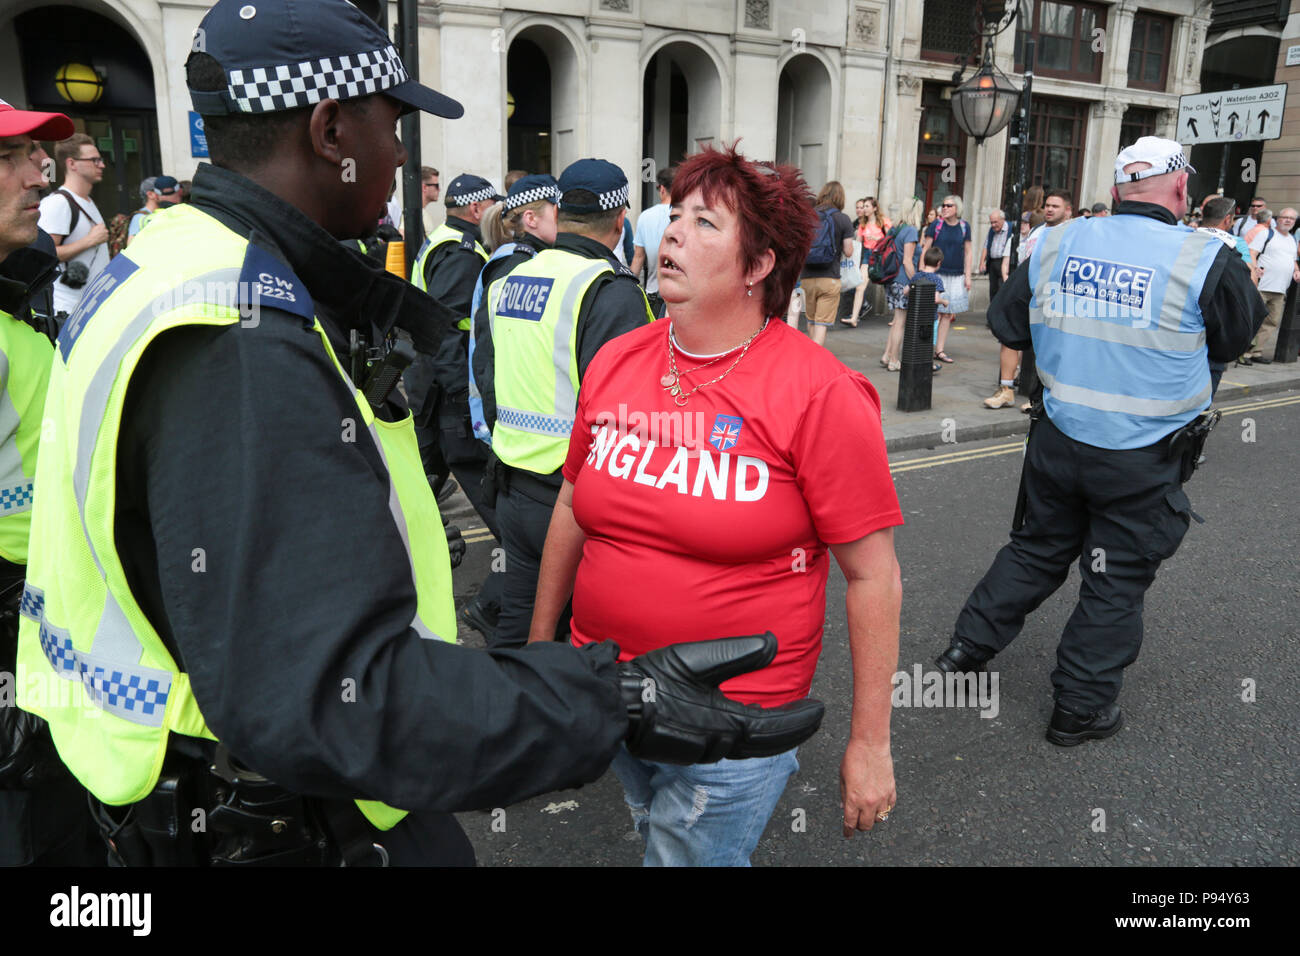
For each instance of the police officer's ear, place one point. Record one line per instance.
(326, 126)
(618, 220)
(1114, 195)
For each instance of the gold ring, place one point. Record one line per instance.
(883, 815)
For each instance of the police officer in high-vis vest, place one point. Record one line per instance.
(43, 818)
(238, 597)
(1122, 311)
(546, 321)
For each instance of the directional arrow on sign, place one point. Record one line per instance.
(1232, 121)
(1191, 125)
(1263, 118)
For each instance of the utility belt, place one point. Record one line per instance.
(500, 478)
(1188, 442)
(209, 810)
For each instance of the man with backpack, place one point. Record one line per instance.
(820, 279)
(74, 222)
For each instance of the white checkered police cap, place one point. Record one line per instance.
(1164, 155)
(467, 188)
(285, 54)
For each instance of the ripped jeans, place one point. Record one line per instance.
(702, 814)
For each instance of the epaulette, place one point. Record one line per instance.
(268, 280)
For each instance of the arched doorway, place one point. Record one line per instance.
(542, 81)
(123, 120)
(803, 118)
(682, 94)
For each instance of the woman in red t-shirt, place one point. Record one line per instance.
(715, 458)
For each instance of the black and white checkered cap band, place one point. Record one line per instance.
(267, 89)
(1174, 163)
(536, 194)
(478, 195)
(615, 199)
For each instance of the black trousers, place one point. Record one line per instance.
(525, 517)
(995, 276)
(466, 456)
(1120, 513)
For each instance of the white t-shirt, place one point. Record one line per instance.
(56, 216)
(650, 226)
(1278, 260)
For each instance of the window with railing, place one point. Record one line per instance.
(1069, 40)
(1148, 53)
(947, 29)
(1058, 129)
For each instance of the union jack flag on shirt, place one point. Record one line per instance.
(726, 431)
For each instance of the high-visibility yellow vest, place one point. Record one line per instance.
(25, 356)
(533, 315)
(121, 693)
(443, 234)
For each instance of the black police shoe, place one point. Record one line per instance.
(1068, 729)
(960, 660)
(478, 617)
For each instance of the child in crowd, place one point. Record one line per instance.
(930, 263)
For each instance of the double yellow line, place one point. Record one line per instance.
(993, 451)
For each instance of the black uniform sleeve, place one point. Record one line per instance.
(485, 363)
(613, 305)
(450, 273)
(1232, 307)
(256, 532)
(1008, 314)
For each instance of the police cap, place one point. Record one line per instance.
(284, 54)
(595, 176)
(528, 189)
(467, 188)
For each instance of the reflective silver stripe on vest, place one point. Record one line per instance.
(566, 399)
(1179, 286)
(115, 640)
(399, 518)
(523, 421)
(1127, 404)
(15, 485)
(134, 693)
(1167, 337)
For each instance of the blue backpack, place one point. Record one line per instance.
(825, 249)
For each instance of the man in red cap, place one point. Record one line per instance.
(43, 816)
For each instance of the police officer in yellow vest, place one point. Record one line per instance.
(1122, 311)
(546, 321)
(238, 598)
(43, 819)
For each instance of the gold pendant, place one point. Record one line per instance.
(676, 389)
(669, 380)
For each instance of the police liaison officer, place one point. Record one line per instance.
(546, 321)
(1121, 311)
(237, 566)
(43, 819)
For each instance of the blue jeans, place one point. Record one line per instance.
(702, 814)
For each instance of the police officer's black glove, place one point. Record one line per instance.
(677, 715)
(455, 544)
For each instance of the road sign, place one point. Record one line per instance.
(1231, 115)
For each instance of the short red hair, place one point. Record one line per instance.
(772, 204)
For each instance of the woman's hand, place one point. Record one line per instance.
(967, 280)
(867, 790)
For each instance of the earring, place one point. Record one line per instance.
(750, 286)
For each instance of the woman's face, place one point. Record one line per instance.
(699, 255)
(543, 225)
(931, 216)
(869, 208)
(861, 208)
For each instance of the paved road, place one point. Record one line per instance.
(1198, 776)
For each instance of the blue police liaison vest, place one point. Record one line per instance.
(1116, 322)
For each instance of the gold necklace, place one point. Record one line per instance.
(672, 381)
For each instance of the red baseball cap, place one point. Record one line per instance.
(51, 126)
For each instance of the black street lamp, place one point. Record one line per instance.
(985, 103)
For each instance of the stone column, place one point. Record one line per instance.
(470, 66)
(1103, 146)
(613, 126)
(757, 81)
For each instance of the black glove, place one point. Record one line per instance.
(455, 544)
(676, 714)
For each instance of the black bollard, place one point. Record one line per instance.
(1288, 334)
(918, 349)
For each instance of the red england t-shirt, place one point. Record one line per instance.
(712, 520)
